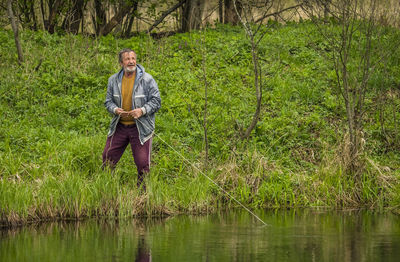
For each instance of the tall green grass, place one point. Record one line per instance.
(54, 126)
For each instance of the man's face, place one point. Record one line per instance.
(129, 62)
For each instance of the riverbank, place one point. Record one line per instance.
(101, 194)
(54, 127)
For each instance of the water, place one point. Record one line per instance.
(296, 235)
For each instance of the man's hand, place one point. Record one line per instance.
(121, 112)
(136, 113)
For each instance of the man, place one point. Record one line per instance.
(133, 99)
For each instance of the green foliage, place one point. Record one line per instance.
(54, 125)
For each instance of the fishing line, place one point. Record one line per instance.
(201, 172)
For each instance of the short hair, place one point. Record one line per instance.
(123, 51)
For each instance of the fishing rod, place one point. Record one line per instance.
(210, 179)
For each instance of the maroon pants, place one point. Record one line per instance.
(117, 143)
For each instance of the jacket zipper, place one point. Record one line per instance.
(134, 105)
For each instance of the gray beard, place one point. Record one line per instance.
(128, 70)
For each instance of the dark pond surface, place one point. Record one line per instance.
(295, 235)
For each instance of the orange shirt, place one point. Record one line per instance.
(127, 90)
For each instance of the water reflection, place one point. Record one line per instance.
(143, 251)
(296, 235)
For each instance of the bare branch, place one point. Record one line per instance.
(256, 71)
(165, 14)
(261, 19)
(14, 26)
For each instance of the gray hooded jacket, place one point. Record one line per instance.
(145, 95)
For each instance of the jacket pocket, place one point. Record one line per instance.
(117, 99)
(140, 100)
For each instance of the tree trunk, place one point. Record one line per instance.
(192, 15)
(117, 19)
(257, 84)
(100, 16)
(231, 16)
(14, 27)
(107, 28)
(221, 11)
(76, 16)
(28, 11)
(130, 19)
(43, 18)
(54, 8)
(128, 30)
(25, 10)
(35, 25)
